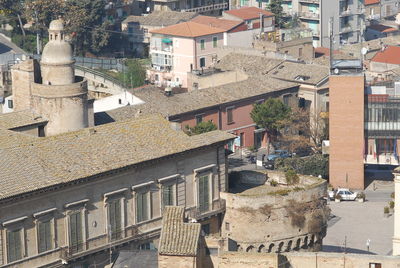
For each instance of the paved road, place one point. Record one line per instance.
(356, 222)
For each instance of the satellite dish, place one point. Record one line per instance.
(364, 50)
(336, 71)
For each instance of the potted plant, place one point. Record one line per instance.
(386, 212)
(273, 183)
(338, 198)
(391, 206)
(392, 195)
(361, 197)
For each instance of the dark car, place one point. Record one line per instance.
(278, 154)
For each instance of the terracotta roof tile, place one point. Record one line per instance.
(390, 55)
(177, 237)
(19, 119)
(217, 23)
(248, 13)
(371, 2)
(188, 29)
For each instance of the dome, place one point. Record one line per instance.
(57, 53)
(56, 25)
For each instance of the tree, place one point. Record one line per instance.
(271, 115)
(275, 7)
(135, 73)
(201, 127)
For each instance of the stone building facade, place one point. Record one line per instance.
(69, 197)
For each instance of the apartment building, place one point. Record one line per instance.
(73, 198)
(182, 48)
(200, 6)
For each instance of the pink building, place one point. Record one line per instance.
(182, 48)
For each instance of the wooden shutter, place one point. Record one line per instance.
(139, 212)
(168, 195)
(114, 218)
(14, 245)
(203, 193)
(44, 236)
(145, 208)
(75, 222)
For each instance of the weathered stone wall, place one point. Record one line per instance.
(176, 261)
(65, 106)
(216, 79)
(304, 260)
(277, 222)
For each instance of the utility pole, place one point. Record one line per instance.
(37, 34)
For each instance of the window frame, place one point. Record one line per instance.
(169, 181)
(199, 118)
(202, 44)
(109, 199)
(46, 216)
(209, 171)
(140, 189)
(215, 41)
(13, 225)
(228, 110)
(200, 62)
(72, 209)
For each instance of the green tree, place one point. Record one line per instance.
(271, 115)
(135, 73)
(201, 127)
(275, 6)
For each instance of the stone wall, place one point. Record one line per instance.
(215, 79)
(277, 220)
(304, 260)
(177, 261)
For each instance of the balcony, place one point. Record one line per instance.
(218, 206)
(219, 6)
(309, 15)
(346, 29)
(309, 1)
(103, 242)
(382, 159)
(344, 13)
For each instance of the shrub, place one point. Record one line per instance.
(314, 165)
(391, 204)
(295, 212)
(338, 196)
(273, 183)
(291, 177)
(266, 209)
(361, 195)
(386, 210)
(298, 189)
(392, 195)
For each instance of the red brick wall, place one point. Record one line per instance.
(346, 131)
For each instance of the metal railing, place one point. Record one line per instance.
(309, 15)
(198, 212)
(207, 8)
(103, 75)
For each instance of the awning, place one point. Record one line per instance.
(166, 40)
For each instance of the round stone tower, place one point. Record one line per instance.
(57, 63)
(61, 97)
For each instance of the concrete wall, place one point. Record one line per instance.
(346, 131)
(261, 222)
(94, 208)
(396, 235)
(215, 79)
(248, 260)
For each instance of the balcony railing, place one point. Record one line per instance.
(309, 1)
(217, 206)
(104, 242)
(219, 6)
(309, 15)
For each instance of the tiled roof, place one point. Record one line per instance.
(371, 2)
(19, 119)
(258, 83)
(302, 73)
(217, 23)
(161, 18)
(382, 28)
(188, 29)
(9, 138)
(390, 55)
(248, 13)
(88, 152)
(177, 237)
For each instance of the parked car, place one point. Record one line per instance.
(278, 154)
(345, 194)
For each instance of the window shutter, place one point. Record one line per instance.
(117, 221)
(139, 207)
(48, 236)
(42, 240)
(14, 245)
(72, 230)
(79, 229)
(145, 207)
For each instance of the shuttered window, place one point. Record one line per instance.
(75, 231)
(142, 206)
(114, 218)
(45, 241)
(168, 195)
(204, 193)
(14, 244)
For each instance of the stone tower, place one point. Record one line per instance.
(60, 96)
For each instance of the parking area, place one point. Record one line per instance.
(354, 223)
